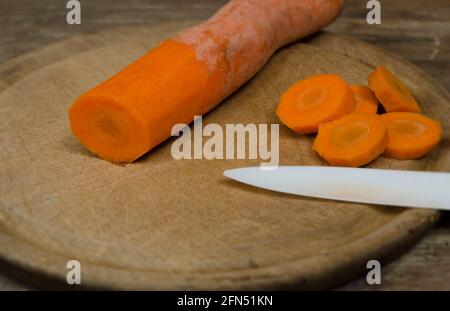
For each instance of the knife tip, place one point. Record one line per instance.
(227, 173)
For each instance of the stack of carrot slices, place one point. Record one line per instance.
(349, 130)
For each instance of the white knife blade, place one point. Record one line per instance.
(363, 185)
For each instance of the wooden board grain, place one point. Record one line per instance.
(166, 224)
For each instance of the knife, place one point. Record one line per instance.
(363, 185)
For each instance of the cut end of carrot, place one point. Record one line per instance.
(310, 102)
(365, 100)
(352, 140)
(392, 92)
(108, 129)
(411, 135)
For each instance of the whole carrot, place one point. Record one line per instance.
(190, 73)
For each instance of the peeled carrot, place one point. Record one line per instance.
(353, 140)
(315, 100)
(365, 100)
(411, 135)
(190, 73)
(391, 91)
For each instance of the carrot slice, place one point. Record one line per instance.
(411, 135)
(365, 100)
(353, 140)
(315, 100)
(391, 91)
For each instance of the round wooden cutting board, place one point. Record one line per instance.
(165, 224)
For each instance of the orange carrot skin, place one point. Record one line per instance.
(189, 74)
(411, 135)
(124, 117)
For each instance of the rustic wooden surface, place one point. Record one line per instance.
(417, 30)
(129, 232)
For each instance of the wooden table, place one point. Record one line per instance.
(418, 30)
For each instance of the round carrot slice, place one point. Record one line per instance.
(411, 135)
(315, 100)
(365, 100)
(352, 140)
(391, 91)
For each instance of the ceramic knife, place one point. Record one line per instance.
(364, 185)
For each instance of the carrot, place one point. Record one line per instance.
(353, 140)
(189, 74)
(365, 100)
(391, 91)
(411, 135)
(315, 100)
